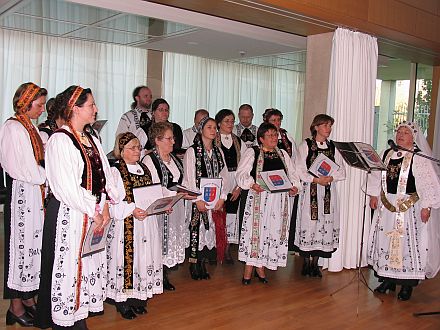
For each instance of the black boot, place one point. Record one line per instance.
(405, 292)
(125, 311)
(306, 267)
(386, 286)
(194, 270)
(166, 283)
(314, 269)
(203, 273)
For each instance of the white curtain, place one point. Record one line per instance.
(191, 83)
(351, 95)
(111, 71)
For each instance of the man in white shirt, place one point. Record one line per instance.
(244, 129)
(190, 133)
(139, 114)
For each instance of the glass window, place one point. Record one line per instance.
(422, 105)
(393, 88)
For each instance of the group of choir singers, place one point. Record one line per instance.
(59, 182)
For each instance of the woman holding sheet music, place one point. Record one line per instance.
(317, 223)
(73, 286)
(204, 160)
(167, 169)
(403, 236)
(266, 221)
(134, 257)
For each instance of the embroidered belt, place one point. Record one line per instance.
(403, 206)
(232, 169)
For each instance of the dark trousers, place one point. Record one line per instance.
(43, 318)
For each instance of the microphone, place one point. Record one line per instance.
(393, 145)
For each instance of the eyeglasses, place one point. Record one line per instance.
(135, 148)
(171, 138)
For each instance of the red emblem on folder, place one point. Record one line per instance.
(209, 194)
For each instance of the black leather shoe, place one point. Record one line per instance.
(315, 271)
(24, 320)
(405, 293)
(261, 279)
(246, 281)
(31, 310)
(126, 311)
(386, 286)
(194, 271)
(139, 310)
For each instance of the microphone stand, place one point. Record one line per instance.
(418, 153)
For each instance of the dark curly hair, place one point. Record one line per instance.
(271, 112)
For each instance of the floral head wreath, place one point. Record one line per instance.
(124, 139)
(28, 96)
(413, 127)
(202, 123)
(76, 94)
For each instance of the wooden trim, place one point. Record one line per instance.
(406, 22)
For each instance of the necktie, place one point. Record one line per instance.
(247, 135)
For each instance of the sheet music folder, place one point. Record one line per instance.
(360, 155)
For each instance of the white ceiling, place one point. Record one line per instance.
(142, 24)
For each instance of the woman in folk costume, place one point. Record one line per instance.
(167, 169)
(232, 148)
(72, 286)
(205, 160)
(285, 141)
(160, 114)
(134, 256)
(22, 158)
(265, 229)
(317, 223)
(399, 245)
